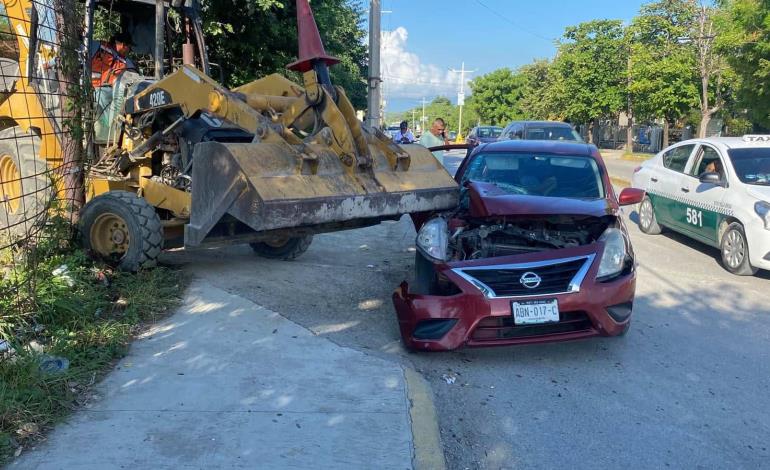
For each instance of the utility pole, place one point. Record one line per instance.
(461, 97)
(413, 111)
(373, 119)
(422, 120)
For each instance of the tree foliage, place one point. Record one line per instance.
(662, 71)
(253, 38)
(541, 91)
(589, 66)
(497, 96)
(743, 28)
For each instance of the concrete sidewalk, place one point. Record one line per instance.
(224, 383)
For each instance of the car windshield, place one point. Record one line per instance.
(552, 133)
(752, 165)
(538, 174)
(489, 132)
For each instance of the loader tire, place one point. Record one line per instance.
(26, 190)
(122, 229)
(287, 250)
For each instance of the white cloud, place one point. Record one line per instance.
(406, 76)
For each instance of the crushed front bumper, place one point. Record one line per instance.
(471, 318)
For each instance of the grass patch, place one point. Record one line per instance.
(85, 313)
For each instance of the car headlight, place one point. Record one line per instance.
(762, 209)
(614, 256)
(433, 238)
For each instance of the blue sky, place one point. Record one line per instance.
(425, 38)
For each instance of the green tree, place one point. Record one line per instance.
(662, 71)
(711, 65)
(540, 91)
(743, 28)
(497, 96)
(590, 72)
(253, 38)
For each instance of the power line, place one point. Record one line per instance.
(521, 27)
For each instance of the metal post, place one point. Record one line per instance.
(160, 30)
(460, 124)
(88, 35)
(422, 121)
(461, 96)
(374, 64)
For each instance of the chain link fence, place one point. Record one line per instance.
(41, 144)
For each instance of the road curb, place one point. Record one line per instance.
(428, 451)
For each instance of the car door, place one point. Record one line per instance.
(665, 184)
(701, 205)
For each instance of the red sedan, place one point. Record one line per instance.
(537, 251)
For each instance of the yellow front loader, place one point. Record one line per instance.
(179, 160)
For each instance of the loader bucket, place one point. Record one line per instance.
(274, 186)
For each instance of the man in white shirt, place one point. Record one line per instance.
(404, 135)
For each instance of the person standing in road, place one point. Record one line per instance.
(404, 135)
(436, 137)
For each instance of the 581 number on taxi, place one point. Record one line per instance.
(694, 217)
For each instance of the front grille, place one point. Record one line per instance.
(556, 277)
(496, 328)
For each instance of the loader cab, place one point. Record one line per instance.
(153, 55)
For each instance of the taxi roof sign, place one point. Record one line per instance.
(756, 138)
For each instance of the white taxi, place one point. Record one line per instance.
(715, 190)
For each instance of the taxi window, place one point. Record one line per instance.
(676, 158)
(709, 162)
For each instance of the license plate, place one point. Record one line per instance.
(535, 312)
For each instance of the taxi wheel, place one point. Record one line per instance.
(735, 251)
(647, 221)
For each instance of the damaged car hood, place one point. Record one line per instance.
(487, 200)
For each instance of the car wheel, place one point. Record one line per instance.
(648, 223)
(735, 251)
(284, 249)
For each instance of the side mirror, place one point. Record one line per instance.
(712, 178)
(630, 196)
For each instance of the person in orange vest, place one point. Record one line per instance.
(111, 59)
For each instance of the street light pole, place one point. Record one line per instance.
(422, 120)
(375, 80)
(461, 98)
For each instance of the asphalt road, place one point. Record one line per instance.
(686, 388)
